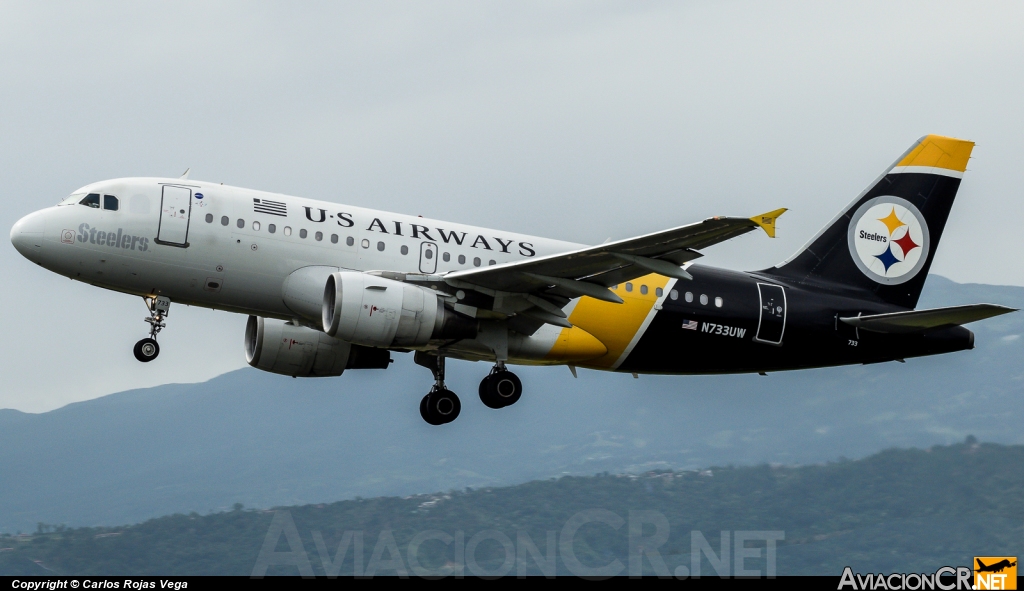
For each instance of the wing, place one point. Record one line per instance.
(590, 271)
(918, 320)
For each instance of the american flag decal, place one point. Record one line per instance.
(271, 207)
(690, 324)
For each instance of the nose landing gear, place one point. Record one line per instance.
(500, 388)
(147, 349)
(440, 405)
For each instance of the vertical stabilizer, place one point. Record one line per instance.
(883, 243)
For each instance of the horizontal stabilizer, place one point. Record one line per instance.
(918, 320)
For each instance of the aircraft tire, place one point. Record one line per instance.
(146, 350)
(500, 389)
(440, 406)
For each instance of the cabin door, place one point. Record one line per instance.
(773, 314)
(175, 207)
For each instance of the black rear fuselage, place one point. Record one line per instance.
(765, 323)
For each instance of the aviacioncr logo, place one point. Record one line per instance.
(889, 239)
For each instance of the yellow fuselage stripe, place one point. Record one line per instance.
(616, 325)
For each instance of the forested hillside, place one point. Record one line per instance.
(905, 509)
(267, 440)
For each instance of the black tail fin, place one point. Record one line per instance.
(884, 242)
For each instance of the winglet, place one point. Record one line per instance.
(184, 175)
(767, 221)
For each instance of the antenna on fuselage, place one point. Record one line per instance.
(184, 175)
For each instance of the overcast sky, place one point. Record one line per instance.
(574, 120)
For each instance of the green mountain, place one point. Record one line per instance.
(896, 511)
(267, 440)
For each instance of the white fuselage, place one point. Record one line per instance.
(232, 260)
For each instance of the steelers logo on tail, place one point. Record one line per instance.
(889, 239)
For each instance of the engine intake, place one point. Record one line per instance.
(284, 348)
(379, 312)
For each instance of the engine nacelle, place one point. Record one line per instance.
(379, 312)
(281, 347)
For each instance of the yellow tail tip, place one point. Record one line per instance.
(767, 221)
(936, 151)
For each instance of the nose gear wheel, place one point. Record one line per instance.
(146, 350)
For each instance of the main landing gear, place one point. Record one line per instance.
(440, 405)
(499, 389)
(147, 349)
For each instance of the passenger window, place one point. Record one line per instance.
(491, 262)
(703, 300)
(476, 261)
(350, 241)
(334, 238)
(318, 236)
(405, 250)
(658, 291)
(673, 294)
(240, 223)
(224, 220)
(688, 297)
(91, 200)
(462, 259)
(380, 246)
(643, 290)
(302, 233)
(718, 302)
(629, 286)
(447, 257)
(287, 230)
(271, 228)
(110, 203)
(428, 254)
(365, 243)
(209, 218)
(256, 226)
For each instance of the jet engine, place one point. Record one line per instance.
(379, 312)
(282, 347)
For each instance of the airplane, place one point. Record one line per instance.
(330, 287)
(996, 567)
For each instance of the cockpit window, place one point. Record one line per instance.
(91, 200)
(110, 202)
(71, 199)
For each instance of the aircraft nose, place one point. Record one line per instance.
(27, 235)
